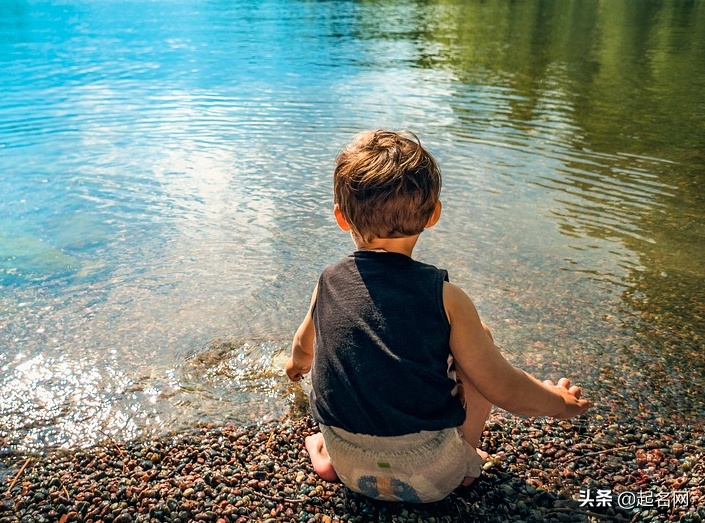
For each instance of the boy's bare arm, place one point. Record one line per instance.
(299, 362)
(493, 376)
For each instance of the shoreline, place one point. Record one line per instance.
(221, 474)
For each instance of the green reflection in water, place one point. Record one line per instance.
(614, 90)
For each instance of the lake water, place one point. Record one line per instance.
(166, 195)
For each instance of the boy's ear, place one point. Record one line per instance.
(435, 216)
(342, 222)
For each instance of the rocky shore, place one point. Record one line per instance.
(539, 470)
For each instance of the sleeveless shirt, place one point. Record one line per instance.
(381, 350)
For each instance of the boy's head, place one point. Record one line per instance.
(386, 185)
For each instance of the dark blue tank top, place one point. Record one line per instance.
(380, 363)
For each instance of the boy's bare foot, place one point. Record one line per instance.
(469, 480)
(320, 458)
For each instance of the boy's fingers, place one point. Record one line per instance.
(564, 382)
(548, 383)
(294, 376)
(575, 391)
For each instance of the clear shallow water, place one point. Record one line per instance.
(165, 201)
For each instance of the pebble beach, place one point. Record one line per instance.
(650, 470)
(166, 177)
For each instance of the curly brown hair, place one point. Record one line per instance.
(386, 184)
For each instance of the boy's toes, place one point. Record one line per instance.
(314, 443)
(468, 481)
(468, 486)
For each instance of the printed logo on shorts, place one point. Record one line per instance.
(389, 489)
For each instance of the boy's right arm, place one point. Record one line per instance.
(493, 376)
(301, 358)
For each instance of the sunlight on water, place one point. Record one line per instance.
(69, 401)
(166, 195)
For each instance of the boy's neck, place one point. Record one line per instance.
(403, 245)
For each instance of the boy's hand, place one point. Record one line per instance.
(574, 404)
(301, 358)
(295, 372)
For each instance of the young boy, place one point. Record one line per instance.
(404, 373)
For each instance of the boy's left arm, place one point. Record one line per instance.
(299, 362)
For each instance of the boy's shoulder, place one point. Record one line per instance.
(347, 260)
(382, 258)
(388, 263)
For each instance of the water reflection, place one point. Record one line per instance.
(165, 180)
(68, 400)
(603, 99)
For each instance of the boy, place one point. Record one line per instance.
(404, 373)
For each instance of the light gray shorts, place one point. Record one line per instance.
(421, 467)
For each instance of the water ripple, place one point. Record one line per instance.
(165, 182)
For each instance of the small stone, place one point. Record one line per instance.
(641, 458)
